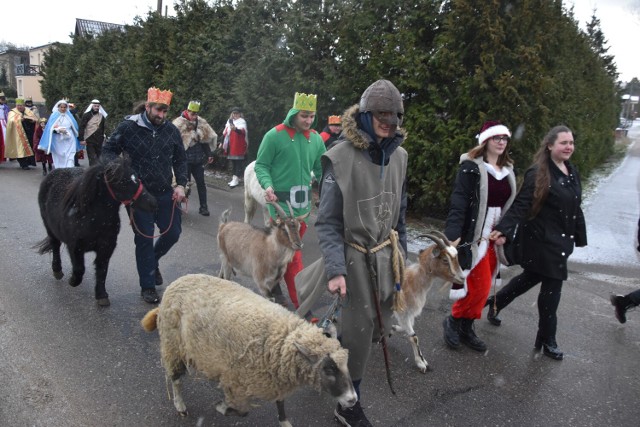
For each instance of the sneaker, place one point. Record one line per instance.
(351, 417)
(234, 182)
(204, 211)
(149, 295)
(159, 280)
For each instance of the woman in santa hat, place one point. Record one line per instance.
(484, 189)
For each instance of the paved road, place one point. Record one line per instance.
(66, 362)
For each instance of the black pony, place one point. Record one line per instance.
(81, 209)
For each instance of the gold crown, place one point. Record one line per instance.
(334, 120)
(305, 102)
(158, 96)
(194, 106)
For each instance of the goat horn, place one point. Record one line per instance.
(441, 235)
(303, 217)
(278, 209)
(290, 208)
(436, 239)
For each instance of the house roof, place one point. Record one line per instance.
(85, 27)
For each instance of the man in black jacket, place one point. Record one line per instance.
(155, 148)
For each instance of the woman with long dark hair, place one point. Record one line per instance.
(548, 214)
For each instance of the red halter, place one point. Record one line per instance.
(125, 202)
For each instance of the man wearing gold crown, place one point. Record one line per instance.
(361, 230)
(287, 155)
(197, 139)
(331, 131)
(155, 148)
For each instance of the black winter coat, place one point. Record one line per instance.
(549, 238)
(156, 153)
(468, 207)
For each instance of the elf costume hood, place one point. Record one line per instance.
(302, 102)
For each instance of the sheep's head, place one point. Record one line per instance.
(289, 224)
(332, 373)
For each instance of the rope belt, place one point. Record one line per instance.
(397, 262)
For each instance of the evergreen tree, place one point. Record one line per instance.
(457, 63)
(599, 45)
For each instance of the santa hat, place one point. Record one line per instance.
(492, 128)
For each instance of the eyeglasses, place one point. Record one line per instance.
(500, 138)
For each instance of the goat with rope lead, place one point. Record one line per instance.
(436, 262)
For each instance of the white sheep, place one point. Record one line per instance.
(439, 261)
(251, 346)
(254, 196)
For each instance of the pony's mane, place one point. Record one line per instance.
(83, 191)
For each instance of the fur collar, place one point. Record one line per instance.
(357, 137)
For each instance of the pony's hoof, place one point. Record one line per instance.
(74, 281)
(58, 275)
(183, 413)
(103, 302)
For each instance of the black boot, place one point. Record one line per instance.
(492, 314)
(549, 347)
(468, 336)
(622, 303)
(451, 327)
(44, 169)
(204, 211)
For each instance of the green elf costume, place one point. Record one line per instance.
(286, 158)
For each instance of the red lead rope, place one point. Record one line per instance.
(134, 198)
(173, 211)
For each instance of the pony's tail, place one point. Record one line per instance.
(150, 320)
(43, 246)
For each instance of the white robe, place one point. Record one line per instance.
(63, 148)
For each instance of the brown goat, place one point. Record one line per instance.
(262, 253)
(439, 261)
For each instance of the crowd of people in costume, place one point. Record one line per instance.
(361, 169)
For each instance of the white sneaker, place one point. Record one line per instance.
(234, 182)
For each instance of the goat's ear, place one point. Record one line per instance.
(435, 253)
(312, 358)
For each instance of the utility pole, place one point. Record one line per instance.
(159, 9)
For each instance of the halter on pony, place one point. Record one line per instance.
(124, 202)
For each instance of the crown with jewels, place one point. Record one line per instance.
(334, 120)
(305, 102)
(194, 106)
(158, 96)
